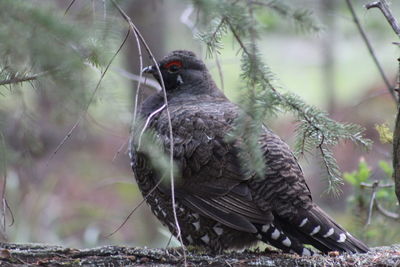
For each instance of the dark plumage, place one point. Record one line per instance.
(218, 206)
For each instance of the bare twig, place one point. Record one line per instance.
(85, 110)
(69, 6)
(396, 146)
(221, 75)
(386, 213)
(185, 19)
(169, 241)
(371, 50)
(144, 81)
(384, 7)
(5, 206)
(137, 206)
(148, 122)
(120, 149)
(373, 201)
(171, 138)
(365, 185)
(140, 78)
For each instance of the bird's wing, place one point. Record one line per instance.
(283, 186)
(211, 181)
(292, 207)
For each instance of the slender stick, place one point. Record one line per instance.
(221, 75)
(384, 7)
(153, 84)
(371, 50)
(137, 206)
(386, 213)
(69, 6)
(372, 201)
(85, 110)
(171, 138)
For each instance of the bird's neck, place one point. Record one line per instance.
(204, 86)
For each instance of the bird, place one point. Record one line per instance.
(218, 205)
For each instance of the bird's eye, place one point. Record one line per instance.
(173, 66)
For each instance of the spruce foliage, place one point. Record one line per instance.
(315, 130)
(48, 57)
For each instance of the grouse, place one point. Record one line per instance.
(218, 205)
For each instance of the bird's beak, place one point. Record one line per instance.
(149, 69)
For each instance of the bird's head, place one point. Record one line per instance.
(178, 69)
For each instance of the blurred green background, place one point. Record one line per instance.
(81, 194)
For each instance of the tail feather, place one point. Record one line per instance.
(316, 228)
(275, 236)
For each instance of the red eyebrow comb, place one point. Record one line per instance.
(175, 62)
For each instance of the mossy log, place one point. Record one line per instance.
(48, 255)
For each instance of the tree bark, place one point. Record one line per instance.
(396, 155)
(47, 255)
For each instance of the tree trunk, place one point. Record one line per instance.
(396, 155)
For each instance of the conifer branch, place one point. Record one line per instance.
(315, 131)
(16, 78)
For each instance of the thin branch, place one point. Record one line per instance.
(185, 19)
(373, 201)
(120, 149)
(169, 241)
(386, 213)
(140, 78)
(133, 77)
(171, 138)
(5, 206)
(137, 206)
(384, 7)
(69, 6)
(137, 91)
(15, 79)
(365, 185)
(147, 124)
(85, 110)
(371, 50)
(221, 75)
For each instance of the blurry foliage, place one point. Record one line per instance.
(301, 18)
(385, 134)
(38, 40)
(46, 60)
(360, 200)
(49, 63)
(359, 176)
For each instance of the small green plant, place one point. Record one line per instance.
(374, 203)
(359, 176)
